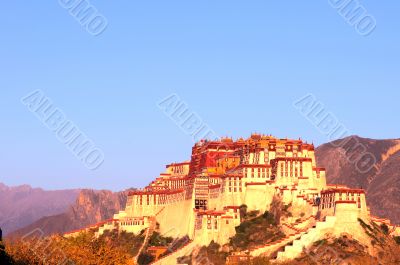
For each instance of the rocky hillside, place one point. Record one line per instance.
(90, 207)
(345, 250)
(22, 205)
(371, 164)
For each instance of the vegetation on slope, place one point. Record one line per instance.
(158, 240)
(343, 250)
(257, 231)
(382, 249)
(110, 248)
(205, 255)
(384, 246)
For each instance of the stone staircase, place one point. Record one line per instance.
(270, 248)
(299, 226)
(296, 231)
(149, 232)
(305, 224)
(296, 247)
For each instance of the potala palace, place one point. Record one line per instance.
(200, 198)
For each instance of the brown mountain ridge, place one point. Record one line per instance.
(91, 206)
(382, 179)
(22, 205)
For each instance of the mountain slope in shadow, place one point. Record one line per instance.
(91, 206)
(22, 205)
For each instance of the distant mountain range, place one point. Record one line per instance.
(22, 205)
(90, 207)
(381, 182)
(25, 209)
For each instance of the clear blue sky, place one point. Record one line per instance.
(238, 64)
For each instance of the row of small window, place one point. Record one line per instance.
(209, 223)
(291, 168)
(286, 171)
(176, 183)
(348, 193)
(216, 225)
(133, 223)
(296, 174)
(263, 175)
(292, 164)
(326, 205)
(256, 158)
(179, 169)
(331, 205)
(259, 170)
(342, 196)
(162, 200)
(235, 183)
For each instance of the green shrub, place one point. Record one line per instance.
(157, 240)
(256, 231)
(145, 259)
(385, 229)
